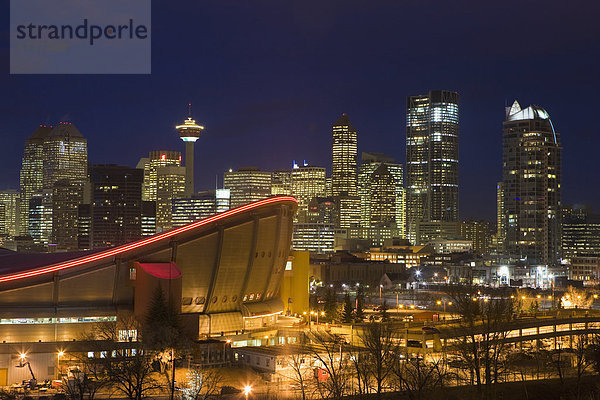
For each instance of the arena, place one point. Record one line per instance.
(223, 273)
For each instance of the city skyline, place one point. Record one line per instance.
(271, 112)
(341, 199)
(175, 146)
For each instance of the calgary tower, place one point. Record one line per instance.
(189, 132)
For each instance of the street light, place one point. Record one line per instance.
(247, 390)
(439, 303)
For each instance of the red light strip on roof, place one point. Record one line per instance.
(144, 242)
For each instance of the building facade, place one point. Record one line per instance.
(580, 233)
(314, 237)
(307, 182)
(170, 185)
(500, 218)
(479, 234)
(281, 182)
(247, 184)
(431, 158)
(201, 205)
(115, 210)
(382, 202)
(11, 202)
(67, 196)
(40, 217)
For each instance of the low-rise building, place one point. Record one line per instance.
(411, 256)
(585, 268)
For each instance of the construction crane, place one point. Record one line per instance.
(32, 384)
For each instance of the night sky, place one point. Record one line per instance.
(268, 79)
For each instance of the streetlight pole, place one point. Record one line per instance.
(172, 373)
(58, 356)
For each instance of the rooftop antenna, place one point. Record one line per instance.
(190, 110)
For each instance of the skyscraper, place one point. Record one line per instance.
(65, 156)
(3, 228)
(116, 205)
(148, 218)
(170, 184)
(32, 172)
(344, 158)
(11, 202)
(201, 205)
(189, 132)
(65, 173)
(344, 175)
(281, 182)
(156, 160)
(381, 191)
(66, 198)
(431, 158)
(479, 233)
(500, 218)
(40, 216)
(531, 185)
(308, 182)
(580, 234)
(247, 184)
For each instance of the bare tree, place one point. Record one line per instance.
(360, 360)
(328, 355)
(381, 348)
(131, 373)
(87, 379)
(300, 371)
(480, 334)
(123, 359)
(202, 384)
(583, 360)
(419, 377)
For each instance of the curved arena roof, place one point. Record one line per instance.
(230, 262)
